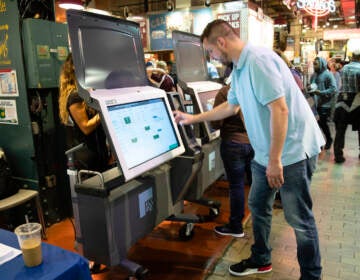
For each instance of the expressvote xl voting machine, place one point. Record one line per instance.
(110, 69)
(199, 95)
(111, 75)
(191, 67)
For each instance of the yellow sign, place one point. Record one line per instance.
(4, 37)
(2, 6)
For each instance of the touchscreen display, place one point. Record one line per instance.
(143, 129)
(207, 100)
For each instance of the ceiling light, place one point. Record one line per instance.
(71, 4)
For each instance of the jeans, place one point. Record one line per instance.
(324, 114)
(237, 162)
(297, 205)
(339, 142)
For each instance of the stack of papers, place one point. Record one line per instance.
(7, 253)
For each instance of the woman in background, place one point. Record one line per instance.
(159, 77)
(82, 122)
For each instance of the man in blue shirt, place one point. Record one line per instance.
(286, 139)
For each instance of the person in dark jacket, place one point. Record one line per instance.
(347, 108)
(323, 86)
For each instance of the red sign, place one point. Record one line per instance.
(317, 8)
(143, 29)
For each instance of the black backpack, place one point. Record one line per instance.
(8, 186)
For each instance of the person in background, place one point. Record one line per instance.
(236, 154)
(325, 93)
(296, 74)
(212, 71)
(159, 77)
(171, 70)
(333, 67)
(298, 78)
(347, 108)
(275, 114)
(82, 123)
(162, 65)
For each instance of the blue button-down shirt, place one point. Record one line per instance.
(259, 77)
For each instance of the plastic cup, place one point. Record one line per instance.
(29, 237)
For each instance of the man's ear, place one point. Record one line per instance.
(220, 41)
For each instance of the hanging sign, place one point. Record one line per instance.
(317, 8)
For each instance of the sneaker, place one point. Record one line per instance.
(247, 267)
(227, 230)
(339, 159)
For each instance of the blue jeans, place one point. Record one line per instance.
(297, 205)
(237, 162)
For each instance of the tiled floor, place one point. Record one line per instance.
(336, 200)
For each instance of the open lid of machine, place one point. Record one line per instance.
(110, 69)
(190, 57)
(107, 51)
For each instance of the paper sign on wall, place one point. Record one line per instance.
(8, 112)
(8, 83)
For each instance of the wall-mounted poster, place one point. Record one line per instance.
(158, 33)
(8, 83)
(162, 25)
(182, 21)
(8, 112)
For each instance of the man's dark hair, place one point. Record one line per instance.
(355, 57)
(217, 28)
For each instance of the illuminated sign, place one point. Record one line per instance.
(317, 8)
(342, 34)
